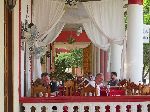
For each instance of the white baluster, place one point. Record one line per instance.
(123, 107)
(60, 108)
(70, 108)
(38, 108)
(81, 107)
(92, 108)
(134, 107)
(48, 108)
(144, 107)
(102, 108)
(112, 107)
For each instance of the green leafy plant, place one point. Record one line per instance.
(71, 40)
(146, 46)
(68, 60)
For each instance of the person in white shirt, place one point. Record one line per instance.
(99, 82)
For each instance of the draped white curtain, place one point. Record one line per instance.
(95, 36)
(46, 14)
(75, 15)
(108, 17)
(53, 34)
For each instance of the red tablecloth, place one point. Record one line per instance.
(113, 91)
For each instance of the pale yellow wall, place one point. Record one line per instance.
(16, 57)
(2, 55)
(16, 49)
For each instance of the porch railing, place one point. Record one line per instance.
(93, 104)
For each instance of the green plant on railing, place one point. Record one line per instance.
(42, 59)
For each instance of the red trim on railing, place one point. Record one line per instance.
(19, 90)
(140, 2)
(64, 99)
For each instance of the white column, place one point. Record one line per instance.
(28, 71)
(116, 51)
(36, 68)
(2, 55)
(22, 73)
(98, 60)
(135, 41)
(16, 58)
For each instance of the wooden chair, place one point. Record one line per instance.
(79, 86)
(89, 91)
(122, 84)
(37, 89)
(140, 88)
(135, 88)
(69, 88)
(145, 90)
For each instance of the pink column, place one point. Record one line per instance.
(98, 61)
(102, 61)
(106, 75)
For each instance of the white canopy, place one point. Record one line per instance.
(103, 20)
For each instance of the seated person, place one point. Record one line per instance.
(54, 86)
(99, 79)
(114, 81)
(41, 85)
(80, 79)
(45, 79)
(99, 82)
(37, 82)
